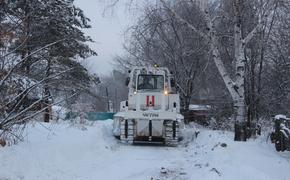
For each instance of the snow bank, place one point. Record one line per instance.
(197, 107)
(215, 155)
(61, 151)
(280, 116)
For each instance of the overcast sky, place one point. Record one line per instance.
(107, 32)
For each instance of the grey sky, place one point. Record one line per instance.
(107, 32)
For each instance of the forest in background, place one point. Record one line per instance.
(232, 55)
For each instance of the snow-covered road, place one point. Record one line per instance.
(66, 152)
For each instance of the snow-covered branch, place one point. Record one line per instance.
(28, 89)
(250, 36)
(24, 59)
(182, 20)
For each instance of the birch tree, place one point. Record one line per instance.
(235, 83)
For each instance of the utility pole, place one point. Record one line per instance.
(108, 101)
(116, 101)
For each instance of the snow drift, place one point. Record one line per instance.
(62, 151)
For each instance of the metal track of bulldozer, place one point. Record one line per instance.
(127, 131)
(171, 133)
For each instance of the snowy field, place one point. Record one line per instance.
(65, 152)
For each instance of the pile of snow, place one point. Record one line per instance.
(197, 107)
(215, 155)
(280, 116)
(62, 151)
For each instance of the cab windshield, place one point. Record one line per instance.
(150, 82)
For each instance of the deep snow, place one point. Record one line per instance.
(61, 151)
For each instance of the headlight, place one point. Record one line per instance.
(166, 92)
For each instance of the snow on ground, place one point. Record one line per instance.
(61, 151)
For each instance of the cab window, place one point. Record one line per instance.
(150, 82)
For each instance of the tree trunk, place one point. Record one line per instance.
(240, 123)
(47, 111)
(25, 39)
(239, 99)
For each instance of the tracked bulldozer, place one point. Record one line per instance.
(152, 111)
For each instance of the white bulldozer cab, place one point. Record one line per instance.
(152, 111)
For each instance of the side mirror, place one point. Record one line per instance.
(172, 82)
(127, 81)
